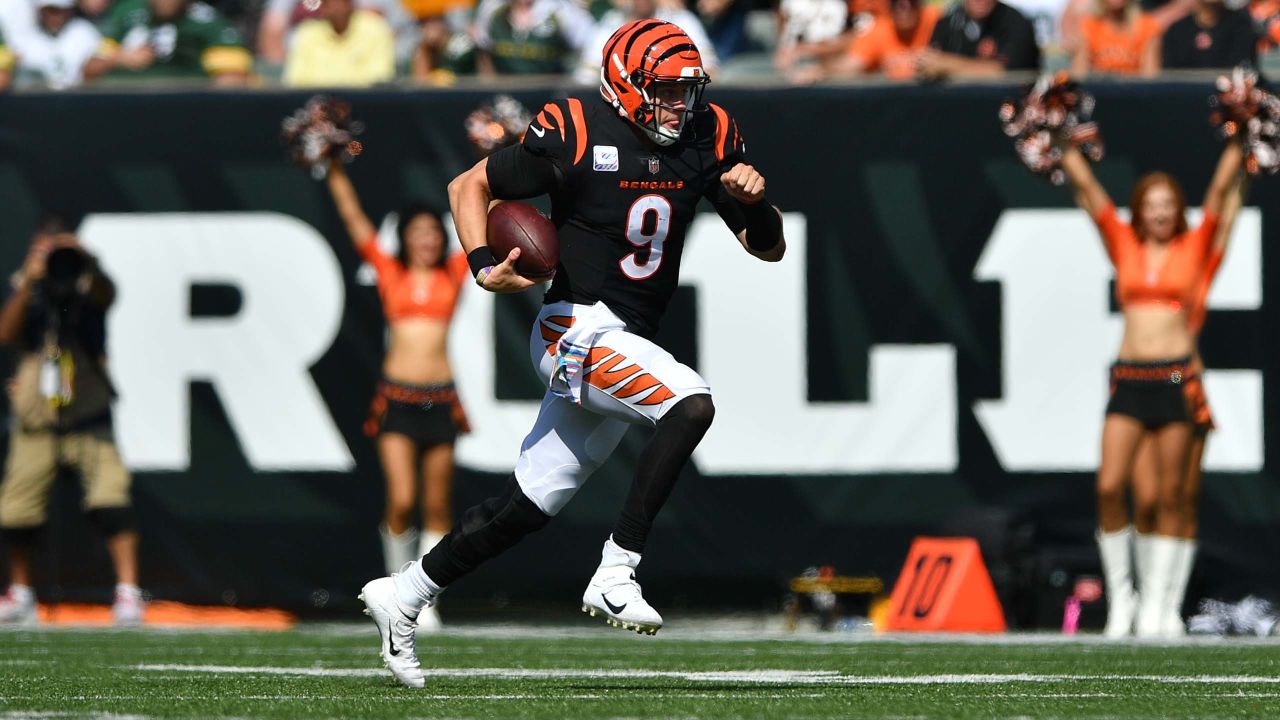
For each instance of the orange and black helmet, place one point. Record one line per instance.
(644, 52)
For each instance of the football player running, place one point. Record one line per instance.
(625, 176)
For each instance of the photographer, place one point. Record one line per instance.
(60, 397)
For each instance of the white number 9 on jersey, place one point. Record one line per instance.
(648, 222)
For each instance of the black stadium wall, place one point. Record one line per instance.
(929, 358)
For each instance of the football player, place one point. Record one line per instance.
(625, 175)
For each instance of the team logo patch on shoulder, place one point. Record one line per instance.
(605, 158)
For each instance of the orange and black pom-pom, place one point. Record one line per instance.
(1242, 110)
(319, 133)
(1053, 110)
(498, 123)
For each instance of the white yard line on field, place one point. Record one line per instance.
(766, 677)
(755, 628)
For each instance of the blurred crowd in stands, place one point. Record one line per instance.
(352, 43)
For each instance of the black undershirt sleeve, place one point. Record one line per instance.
(515, 173)
(760, 220)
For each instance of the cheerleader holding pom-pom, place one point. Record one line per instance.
(1156, 416)
(416, 415)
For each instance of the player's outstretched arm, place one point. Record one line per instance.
(469, 199)
(762, 234)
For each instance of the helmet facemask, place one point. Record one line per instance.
(648, 85)
(652, 107)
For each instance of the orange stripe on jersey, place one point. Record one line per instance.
(551, 334)
(642, 382)
(559, 116)
(579, 128)
(610, 368)
(543, 120)
(722, 129)
(657, 397)
(606, 375)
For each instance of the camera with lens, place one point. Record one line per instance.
(63, 269)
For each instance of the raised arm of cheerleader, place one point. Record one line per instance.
(1089, 193)
(358, 225)
(1224, 179)
(1231, 204)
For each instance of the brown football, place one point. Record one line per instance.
(520, 225)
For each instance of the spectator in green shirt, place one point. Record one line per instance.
(530, 37)
(175, 39)
(442, 55)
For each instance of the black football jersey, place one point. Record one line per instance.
(622, 203)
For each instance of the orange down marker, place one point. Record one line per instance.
(944, 587)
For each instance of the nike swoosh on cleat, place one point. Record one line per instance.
(615, 609)
(395, 651)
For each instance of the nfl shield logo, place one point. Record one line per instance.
(653, 166)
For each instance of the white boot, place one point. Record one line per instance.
(1141, 555)
(427, 540)
(614, 593)
(1186, 559)
(1116, 549)
(1156, 583)
(18, 606)
(398, 549)
(129, 606)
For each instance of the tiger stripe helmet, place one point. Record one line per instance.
(644, 52)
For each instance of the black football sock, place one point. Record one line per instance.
(672, 444)
(485, 531)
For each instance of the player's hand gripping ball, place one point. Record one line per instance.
(744, 184)
(517, 226)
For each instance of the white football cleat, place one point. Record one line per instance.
(18, 608)
(615, 594)
(395, 629)
(128, 606)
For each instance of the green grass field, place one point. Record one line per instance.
(332, 671)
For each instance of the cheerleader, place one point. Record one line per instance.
(1162, 269)
(416, 415)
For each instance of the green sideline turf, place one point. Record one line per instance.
(334, 672)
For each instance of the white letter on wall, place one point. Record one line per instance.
(752, 331)
(257, 360)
